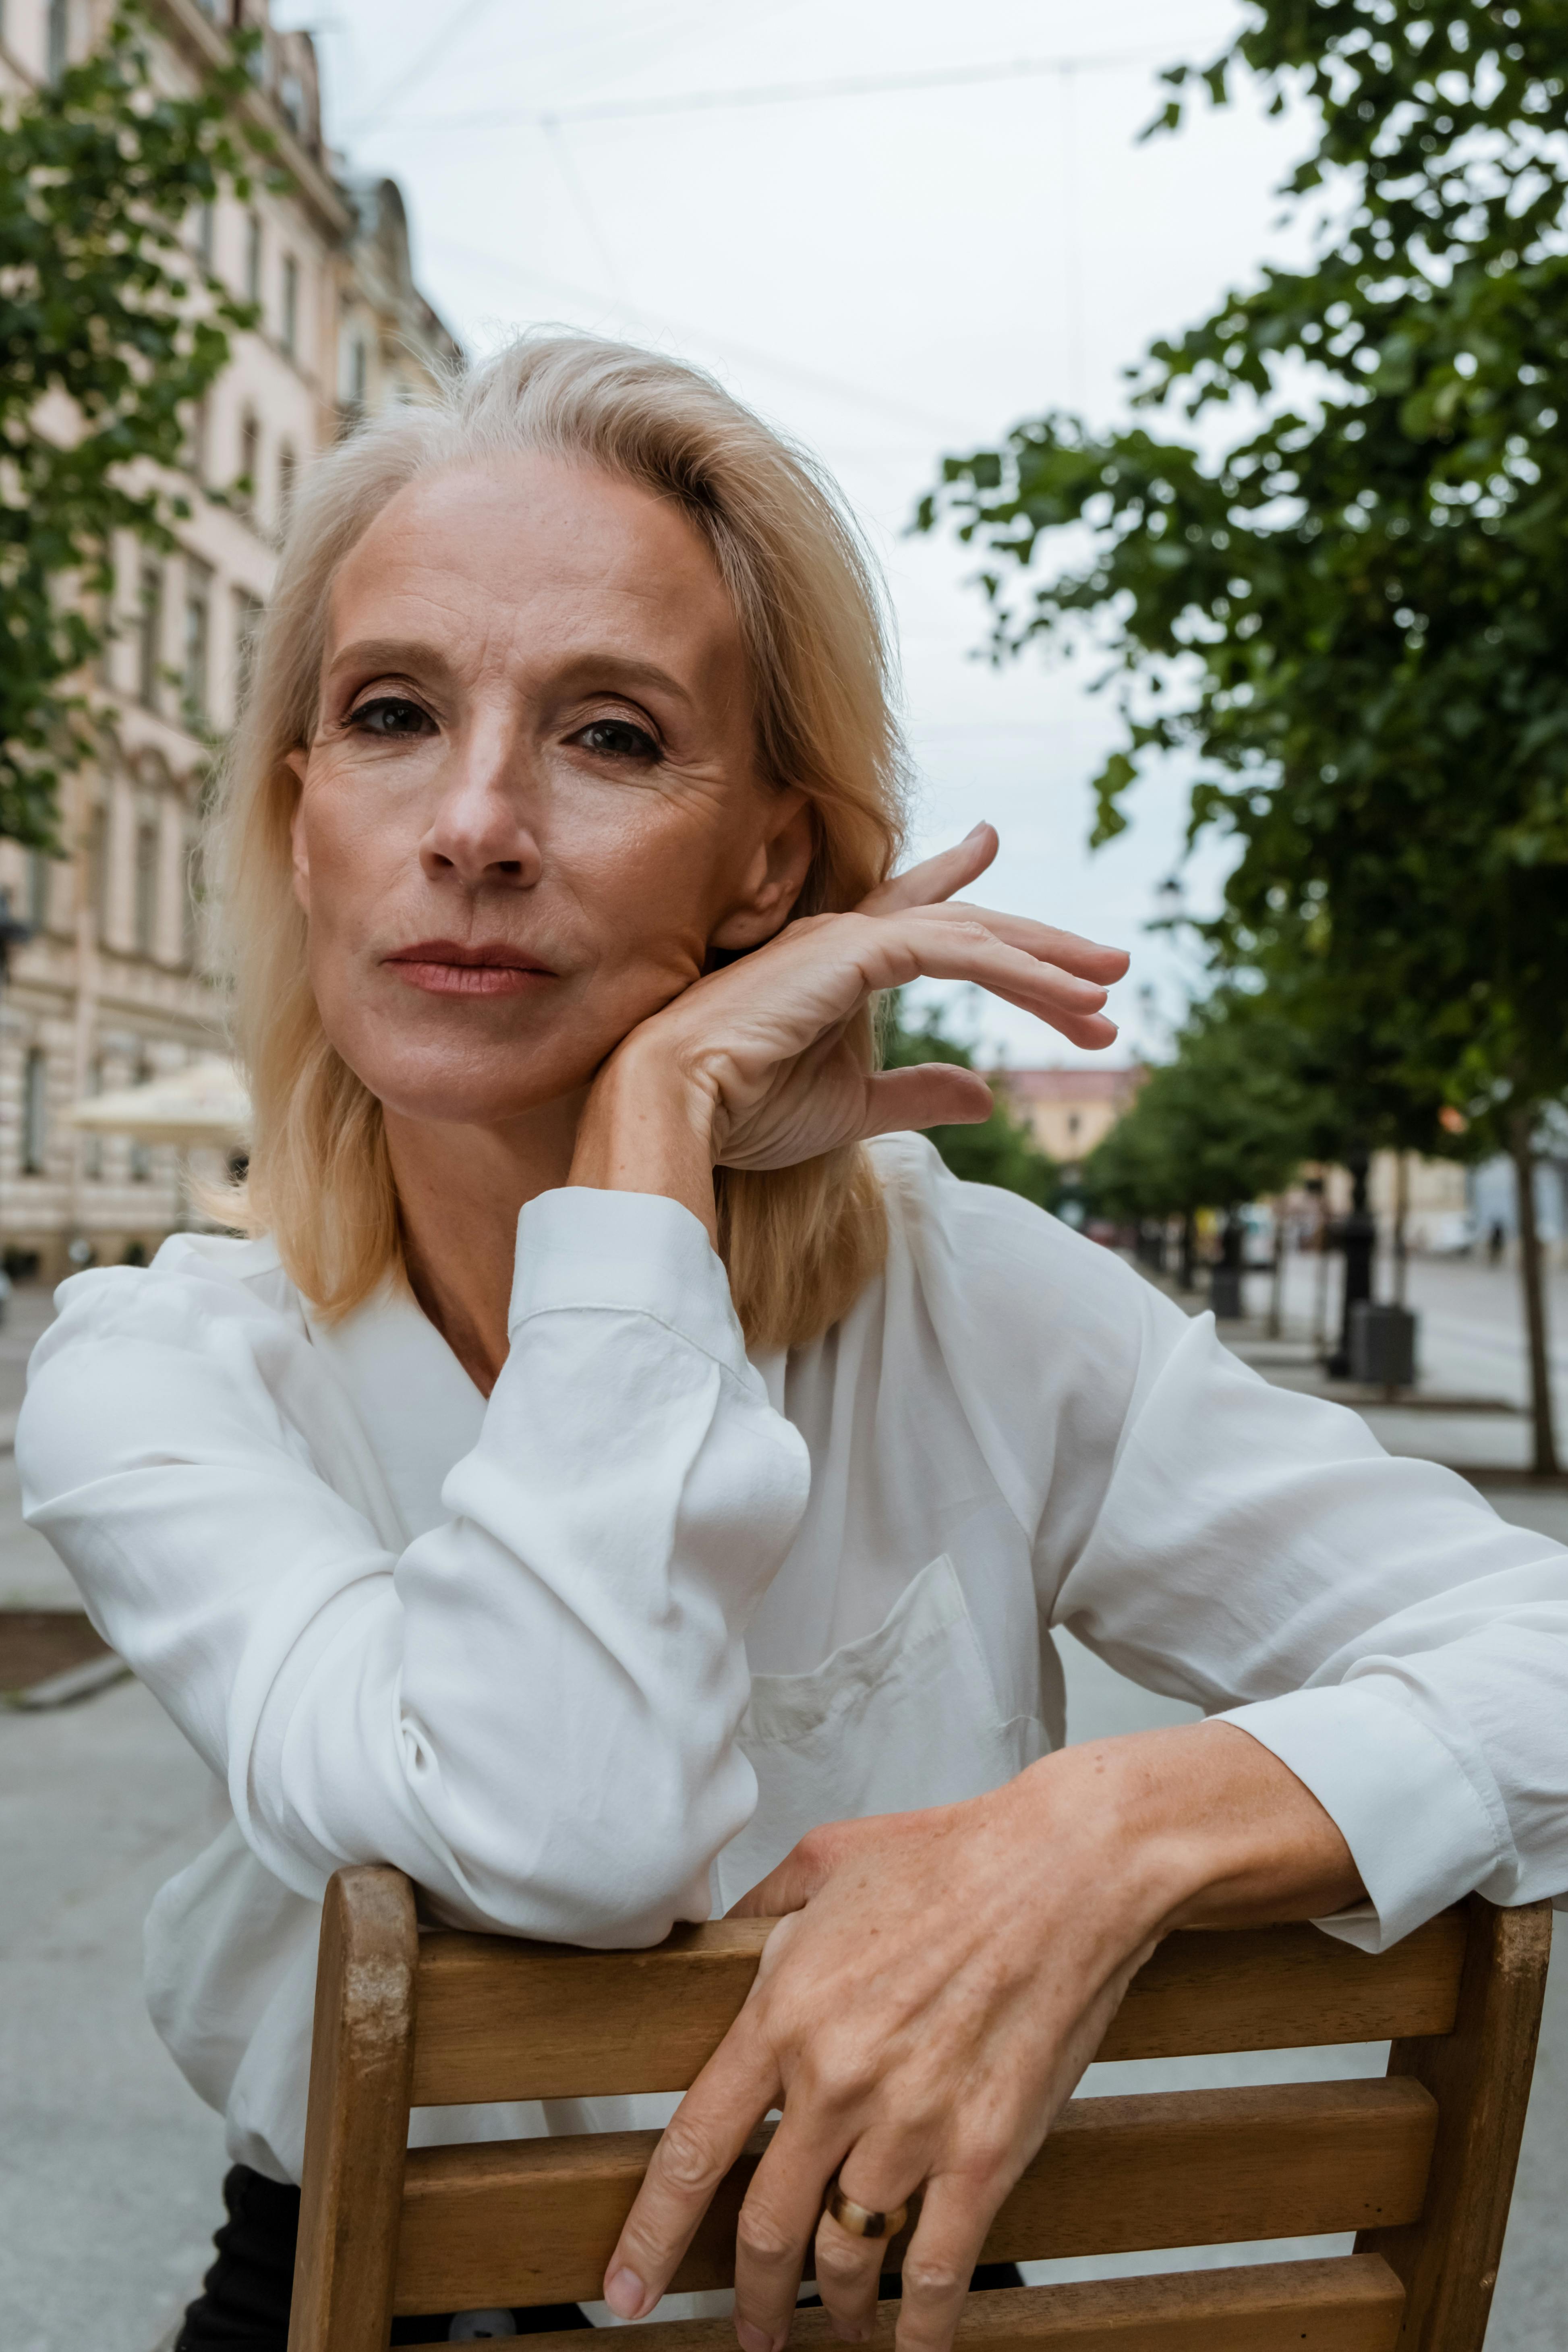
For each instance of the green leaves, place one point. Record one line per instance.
(1354, 613)
(999, 1151)
(110, 331)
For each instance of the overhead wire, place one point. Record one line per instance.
(778, 93)
(599, 303)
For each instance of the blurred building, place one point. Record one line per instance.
(110, 987)
(1068, 1111)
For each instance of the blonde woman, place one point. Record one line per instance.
(611, 1485)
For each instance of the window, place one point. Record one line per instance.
(249, 461)
(150, 636)
(34, 1111)
(198, 439)
(58, 39)
(39, 890)
(98, 869)
(146, 888)
(291, 302)
(198, 636)
(140, 1157)
(190, 933)
(92, 1152)
(286, 468)
(205, 236)
(247, 610)
(253, 256)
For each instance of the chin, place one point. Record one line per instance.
(471, 1086)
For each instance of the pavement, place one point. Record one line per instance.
(110, 2166)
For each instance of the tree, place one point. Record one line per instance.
(1353, 617)
(1229, 1120)
(110, 332)
(999, 1151)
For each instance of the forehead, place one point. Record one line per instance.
(534, 541)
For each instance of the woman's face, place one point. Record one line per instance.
(531, 805)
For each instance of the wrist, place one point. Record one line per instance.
(1202, 1826)
(648, 1126)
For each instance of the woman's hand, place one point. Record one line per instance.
(939, 1984)
(750, 1067)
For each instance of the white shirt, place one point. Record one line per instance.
(587, 1659)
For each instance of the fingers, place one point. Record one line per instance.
(936, 877)
(948, 2236)
(701, 2142)
(775, 2231)
(850, 2268)
(933, 1094)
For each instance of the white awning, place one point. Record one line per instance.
(205, 1102)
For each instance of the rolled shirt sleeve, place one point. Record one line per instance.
(1369, 1618)
(533, 1707)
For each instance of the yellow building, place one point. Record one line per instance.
(1067, 1110)
(109, 988)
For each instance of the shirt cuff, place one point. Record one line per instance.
(628, 1254)
(1417, 1828)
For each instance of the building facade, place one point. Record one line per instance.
(111, 986)
(1068, 1111)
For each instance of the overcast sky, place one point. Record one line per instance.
(887, 274)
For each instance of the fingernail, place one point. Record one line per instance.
(753, 2339)
(624, 2292)
(974, 829)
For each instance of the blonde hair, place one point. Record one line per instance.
(799, 1243)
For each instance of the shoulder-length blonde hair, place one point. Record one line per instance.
(799, 1243)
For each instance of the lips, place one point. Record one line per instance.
(466, 968)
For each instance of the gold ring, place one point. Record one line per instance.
(863, 2220)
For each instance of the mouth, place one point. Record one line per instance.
(451, 968)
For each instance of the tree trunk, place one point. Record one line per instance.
(1522, 1148)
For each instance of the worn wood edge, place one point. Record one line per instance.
(366, 1986)
(1368, 2122)
(1311, 1991)
(1184, 2307)
(1481, 2077)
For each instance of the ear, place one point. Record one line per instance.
(772, 881)
(299, 760)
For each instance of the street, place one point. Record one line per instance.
(111, 2167)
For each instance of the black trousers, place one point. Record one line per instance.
(245, 2298)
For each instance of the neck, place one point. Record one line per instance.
(459, 1191)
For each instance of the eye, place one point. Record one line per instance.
(619, 738)
(392, 718)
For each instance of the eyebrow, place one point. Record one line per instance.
(406, 654)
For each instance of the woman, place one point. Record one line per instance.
(599, 1471)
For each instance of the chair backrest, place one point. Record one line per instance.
(1419, 2162)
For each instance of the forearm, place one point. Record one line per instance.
(1204, 1825)
(645, 1131)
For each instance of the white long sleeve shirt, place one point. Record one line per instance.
(587, 1659)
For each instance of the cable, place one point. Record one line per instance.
(452, 31)
(781, 93)
(945, 428)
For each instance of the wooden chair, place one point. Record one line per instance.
(1418, 2162)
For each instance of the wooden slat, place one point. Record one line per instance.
(503, 2020)
(356, 2124)
(1479, 2076)
(525, 2221)
(1351, 2305)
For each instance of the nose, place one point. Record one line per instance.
(482, 831)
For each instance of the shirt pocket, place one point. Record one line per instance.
(907, 1716)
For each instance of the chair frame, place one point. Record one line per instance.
(1423, 2158)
